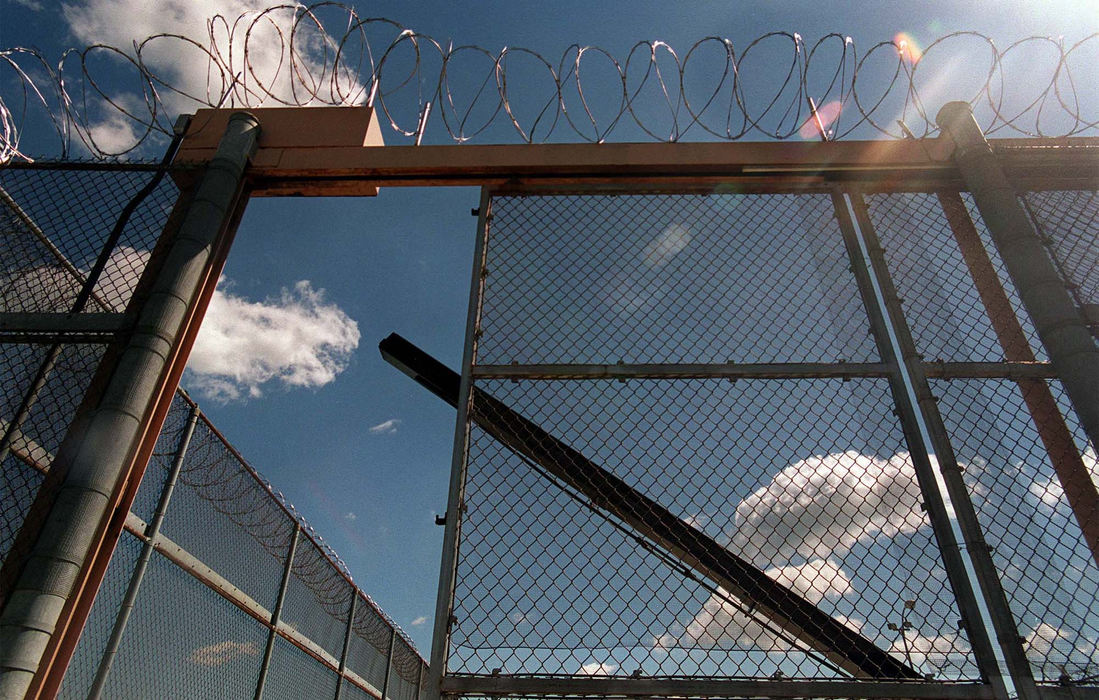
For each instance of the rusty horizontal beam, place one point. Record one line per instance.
(338, 151)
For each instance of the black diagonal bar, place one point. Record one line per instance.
(786, 610)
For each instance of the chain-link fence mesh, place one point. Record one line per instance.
(658, 379)
(205, 587)
(1015, 440)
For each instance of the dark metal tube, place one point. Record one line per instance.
(276, 614)
(138, 575)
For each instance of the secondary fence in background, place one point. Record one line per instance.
(216, 583)
(721, 441)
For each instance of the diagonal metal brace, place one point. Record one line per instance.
(785, 609)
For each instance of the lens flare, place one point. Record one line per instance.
(907, 47)
(827, 114)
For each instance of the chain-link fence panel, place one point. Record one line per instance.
(1068, 221)
(1047, 570)
(318, 598)
(669, 278)
(1026, 469)
(97, 631)
(295, 674)
(933, 274)
(591, 506)
(809, 481)
(76, 238)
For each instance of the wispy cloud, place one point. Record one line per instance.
(296, 339)
(29, 4)
(419, 621)
(222, 652)
(666, 245)
(350, 516)
(387, 427)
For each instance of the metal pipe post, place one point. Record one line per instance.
(440, 639)
(346, 642)
(276, 614)
(1063, 332)
(138, 575)
(977, 550)
(35, 608)
(389, 663)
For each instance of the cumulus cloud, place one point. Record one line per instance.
(296, 339)
(598, 669)
(1049, 491)
(386, 427)
(811, 511)
(721, 623)
(932, 651)
(821, 506)
(419, 621)
(666, 245)
(222, 653)
(55, 287)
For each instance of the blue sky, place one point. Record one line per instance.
(400, 262)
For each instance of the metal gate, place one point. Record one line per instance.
(769, 441)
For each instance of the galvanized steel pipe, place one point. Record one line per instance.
(50, 575)
(1064, 334)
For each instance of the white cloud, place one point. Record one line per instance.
(1050, 492)
(720, 623)
(1070, 651)
(29, 4)
(821, 506)
(666, 245)
(386, 427)
(419, 621)
(222, 653)
(296, 339)
(350, 516)
(933, 652)
(809, 512)
(597, 669)
(814, 580)
(269, 76)
(55, 288)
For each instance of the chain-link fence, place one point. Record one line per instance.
(217, 587)
(703, 441)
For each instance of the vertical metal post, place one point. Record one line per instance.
(420, 681)
(138, 575)
(346, 641)
(1063, 332)
(1080, 491)
(389, 664)
(37, 604)
(977, 549)
(937, 513)
(444, 602)
(276, 614)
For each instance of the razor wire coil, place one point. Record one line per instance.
(328, 54)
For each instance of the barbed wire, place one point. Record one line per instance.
(294, 55)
